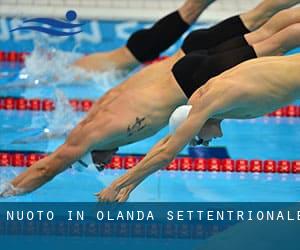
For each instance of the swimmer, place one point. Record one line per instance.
(276, 83)
(147, 44)
(138, 108)
(278, 22)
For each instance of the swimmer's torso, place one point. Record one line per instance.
(260, 86)
(143, 103)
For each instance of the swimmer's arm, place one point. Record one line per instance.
(160, 156)
(47, 168)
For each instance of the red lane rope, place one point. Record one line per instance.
(12, 103)
(21, 159)
(85, 105)
(13, 56)
(19, 57)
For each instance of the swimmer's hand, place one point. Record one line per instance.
(7, 190)
(109, 194)
(124, 194)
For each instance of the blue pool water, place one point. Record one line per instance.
(264, 138)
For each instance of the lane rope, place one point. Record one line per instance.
(11, 103)
(84, 105)
(26, 159)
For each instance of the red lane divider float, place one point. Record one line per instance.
(19, 57)
(85, 105)
(12, 103)
(19, 159)
(13, 56)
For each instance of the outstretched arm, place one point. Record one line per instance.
(160, 156)
(80, 140)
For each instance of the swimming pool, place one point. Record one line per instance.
(266, 138)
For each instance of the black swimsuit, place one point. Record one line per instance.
(195, 69)
(210, 52)
(205, 39)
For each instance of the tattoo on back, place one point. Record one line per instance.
(137, 126)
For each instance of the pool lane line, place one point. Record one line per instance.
(13, 56)
(84, 105)
(183, 163)
(19, 57)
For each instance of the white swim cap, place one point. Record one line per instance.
(178, 117)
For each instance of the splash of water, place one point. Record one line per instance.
(58, 122)
(8, 190)
(63, 119)
(48, 66)
(45, 63)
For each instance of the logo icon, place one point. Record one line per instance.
(57, 27)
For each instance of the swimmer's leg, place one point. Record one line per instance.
(279, 43)
(147, 44)
(233, 29)
(256, 17)
(280, 21)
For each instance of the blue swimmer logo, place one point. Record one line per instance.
(56, 26)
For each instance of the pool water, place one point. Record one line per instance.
(263, 138)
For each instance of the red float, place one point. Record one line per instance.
(48, 105)
(116, 163)
(130, 162)
(18, 160)
(75, 104)
(296, 167)
(214, 165)
(5, 159)
(186, 164)
(270, 166)
(241, 166)
(21, 104)
(31, 159)
(35, 104)
(12, 56)
(292, 111)
(256, 166)
(86, 105)
(284, 167)
(9, 103)
(279, 112)
(228, 165)
(200, 164)
(2, 56)
(173, 166)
